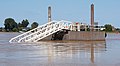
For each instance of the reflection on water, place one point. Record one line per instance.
(60, 53)
(72, 48)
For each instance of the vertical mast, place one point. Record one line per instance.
(49, 14)
(92, 17)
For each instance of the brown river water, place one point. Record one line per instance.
(60, 53)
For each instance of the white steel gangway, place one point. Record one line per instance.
(42, 31)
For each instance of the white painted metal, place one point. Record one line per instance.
(42, 31)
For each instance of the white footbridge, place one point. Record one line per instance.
(42, 31)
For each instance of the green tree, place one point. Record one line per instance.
(20, 27)
(19, 24)
(9, 24)
(25, 23)
(118, 29)
(108, 27)
(34, 25)
(15, 30)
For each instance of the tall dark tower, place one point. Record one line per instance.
(92, 17)
(49, 14)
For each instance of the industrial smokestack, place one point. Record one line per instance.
(92, 17)
(49, 14)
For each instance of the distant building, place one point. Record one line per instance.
(96, 27)
(76, 26)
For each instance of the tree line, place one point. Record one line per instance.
(10, 25)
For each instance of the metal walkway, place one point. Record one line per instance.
(42, 31)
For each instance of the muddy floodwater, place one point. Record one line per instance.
(60, 53)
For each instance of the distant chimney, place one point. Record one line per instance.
(92, 17)
(49, 14)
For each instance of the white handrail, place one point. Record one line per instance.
(42, 31)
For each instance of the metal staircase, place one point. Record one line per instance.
(42, 31)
